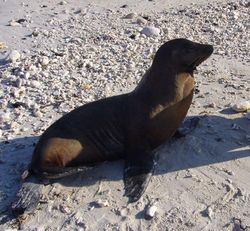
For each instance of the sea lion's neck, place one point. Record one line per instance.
(159, 87)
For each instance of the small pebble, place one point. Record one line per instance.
(65, 209)
(2, 45)
(240, 192)
(26, 75)
(123, 212)
(133, 36)
(130, 16)
(35, 33)
(14, 56)
(4, 117)
(80, 223)
(37, 113)
(63, 3)
(19, 83)
(124, 6)
(33, 68)
(44, 61)
(102, 203)
(150, 31)
(14, 23)
(141, 21)
(211, 105)
(209, 212)
(241, 106)
(35, 84)
(45, 74)
(21, 20)
(13, 125)
(150, 212)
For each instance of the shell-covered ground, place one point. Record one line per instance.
(65, 55)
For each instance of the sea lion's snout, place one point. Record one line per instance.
(181, 55)
(205, 51)
(199, 54)
(208, 49)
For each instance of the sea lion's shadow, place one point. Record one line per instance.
(108, 171)
(215, 140)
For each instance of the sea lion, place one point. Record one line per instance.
(128, 126)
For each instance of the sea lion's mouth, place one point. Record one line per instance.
(192, 67)
(196, 63)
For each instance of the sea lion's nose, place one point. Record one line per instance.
(208, 49)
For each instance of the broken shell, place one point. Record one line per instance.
(102, 203)
(130, 16)
(14, 23)
(44, 61)
(150, 31)
(209, 211)
(35, 84)
(2, 45)
(65, 209)
(150, 212)
(141, 21)
(241, 106)
(37, 113)
(4, 117)
(25, 174)
(14, 56)
(26, 75)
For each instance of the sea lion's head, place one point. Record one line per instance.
(182, 55)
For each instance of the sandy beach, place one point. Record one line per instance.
(58, 55)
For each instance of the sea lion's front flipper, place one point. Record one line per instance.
(137, 173)
(27, 198)
(187, 126)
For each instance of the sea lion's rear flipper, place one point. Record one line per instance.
(187, 126)
(138, 171)
(27, 198)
